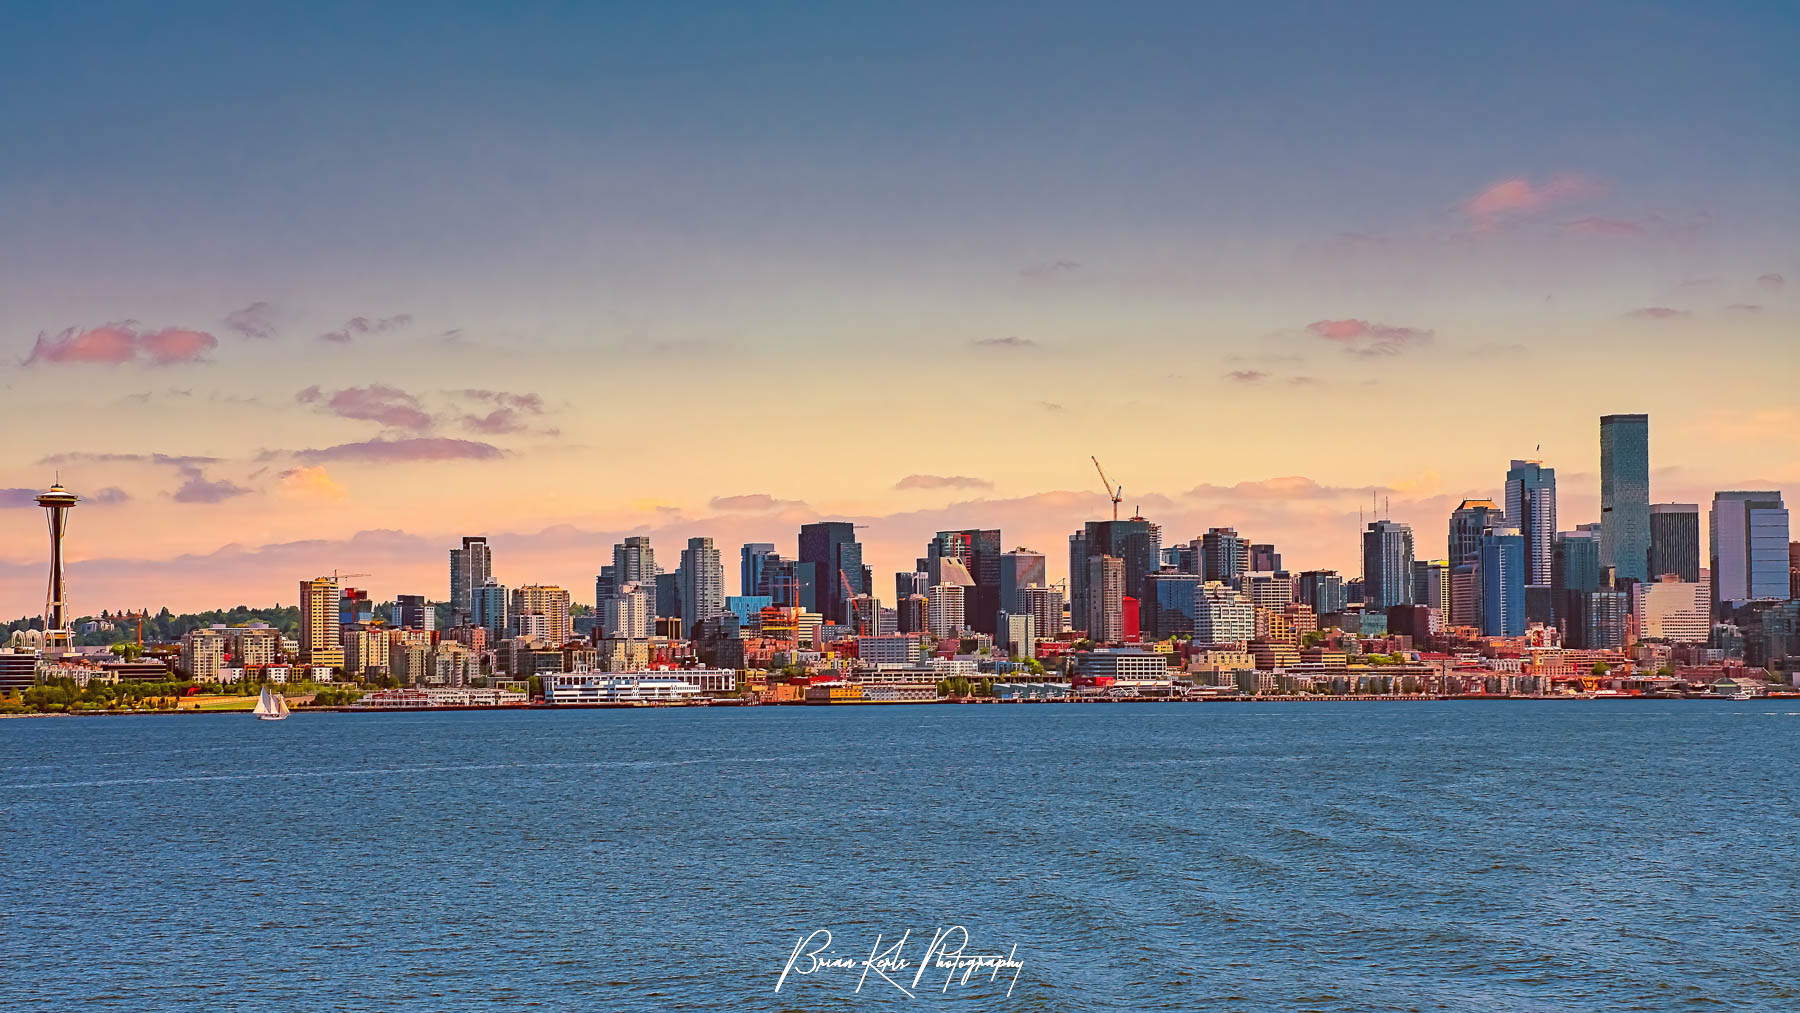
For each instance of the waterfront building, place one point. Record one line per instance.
(365, 651)
(319, 643)
(1018, 635)
(1387, 564)
(1675, 540)
(1105, 589)
(701, 579)
(837, 559)
(1123, 666)
(257, 644)
(1749, 538)
(1501, 570)
(1625, 495)
(202, 654)
(569, 688)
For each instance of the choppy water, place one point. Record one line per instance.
(1453, 856)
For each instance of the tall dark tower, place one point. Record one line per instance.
(57, 503)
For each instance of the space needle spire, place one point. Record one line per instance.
(57, 503)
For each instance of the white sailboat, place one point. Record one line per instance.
(270, 707)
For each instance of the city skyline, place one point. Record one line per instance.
(298, 329)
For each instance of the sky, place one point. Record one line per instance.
(293, 288)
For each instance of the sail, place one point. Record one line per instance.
(281, 706)
(265, 704)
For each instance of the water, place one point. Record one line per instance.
(1450, 856)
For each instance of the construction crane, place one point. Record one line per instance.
(139, 616)
(340, 576)
(1111, 493)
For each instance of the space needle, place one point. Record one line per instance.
(57, 502)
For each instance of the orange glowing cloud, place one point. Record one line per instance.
(312, 483)
(122, 342)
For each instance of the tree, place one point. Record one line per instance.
(1601, 668)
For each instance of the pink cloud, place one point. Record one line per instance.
(1361, 337)
(1656, 313)
(1247, 375)
(1743, 307)
(358, 326)
(752, 502)
(500, 420)
(1518, 196)
(430, 448)
(389, 406)
(173, 345)
(1772, 282)
(942, 482)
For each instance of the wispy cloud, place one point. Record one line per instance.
(122, 342)
(256, 320)
(1771, 282)
(754, 502)
(1009, 342)
(1616, 228)
(1656, 313)
(427, 448)
(1052, 269)
(197, 488)
(357, 327)
(389, 406)
(1744, 307)
(10, 498)
(942, 482)
(1247, 375)
(1361, 337)
(1519, 196)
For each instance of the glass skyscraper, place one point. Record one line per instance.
(1531, 506)
(1387, 565)
(1749, 547)
(1625, 495)
(1675, 540)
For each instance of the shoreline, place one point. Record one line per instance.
(732, 703)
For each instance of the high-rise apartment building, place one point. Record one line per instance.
(1531, 507)
(1501, 570)
(202, 654)
(978, 550)
(1223, 615)
(1468, 522)
(629, 614)
(1045, 604)
(1020, 569)
(319, 641)
(1323, 590)
(753, 561)
(1136, 543)
(837, 559)
(1264, 558)
(1675, 540)
(1625, 495)
(1387, 565)
(1675, 610)
(488, 608)
(550, 602)
(1224, 556)
(1171, 602)
(1749, 538)
(1431, 585)
(471, 566)
(413, 612)
(1106, 599)
(701, 578)
(944, 615)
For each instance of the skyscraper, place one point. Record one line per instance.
(1749, 548)
(1468, 521)
(57, 502)
(701, 578)
(488, 609)
(944, 615)
(1171, 603)
(1323, 590)
(1046, 607)
(1531, 506)
(1106, 599)
(978, 549)
(1264, 558)
(831, 547)
(1224, 556)
(1136, 543)
(1502, 574)
(549, 602)
(320, 643)
(1675, 540)
(752, 561)
(634, 562)
(412, 612)
(1020, 569)
(470, 567)
(1431, 585)
(1625, 495)
(1387, 565)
